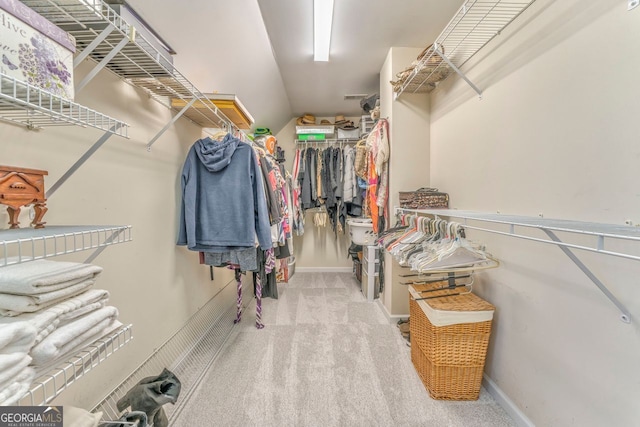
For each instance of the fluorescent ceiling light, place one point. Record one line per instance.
(322, 22)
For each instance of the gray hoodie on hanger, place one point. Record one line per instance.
(223, 202)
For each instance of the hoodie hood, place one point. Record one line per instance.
(216, 155)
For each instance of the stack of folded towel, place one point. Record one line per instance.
(47, 311)
(15, 375)
(32, 286)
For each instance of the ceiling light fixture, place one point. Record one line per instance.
(322, 23)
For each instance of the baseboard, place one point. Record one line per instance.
(391, 318)
(324, 269)
(507, 404)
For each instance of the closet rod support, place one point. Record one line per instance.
(95, 43)
(173, 120)
(94, 72)
(625, 316)
(81, 161)
(437, 50)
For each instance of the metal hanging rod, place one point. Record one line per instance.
(328, 140)
(600, 232)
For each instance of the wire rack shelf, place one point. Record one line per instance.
(49, 385)
(28, 244)
(475, 24)
(35, 108)
(598, 234)
(112, 42)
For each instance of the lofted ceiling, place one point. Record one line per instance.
(262, 50)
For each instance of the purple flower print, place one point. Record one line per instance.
(40, 66)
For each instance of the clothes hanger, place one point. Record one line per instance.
(419, 281)
(445, 295)
(449, 251)
(448, 287)
(219, 135)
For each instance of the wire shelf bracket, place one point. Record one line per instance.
(457, 70)
(625, 316)
(78, 163)
(95, 70)
(600, 232)
(23, 103)
(171, 122)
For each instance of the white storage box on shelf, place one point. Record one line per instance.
(146, 37)
(323, 129)
(366, 125)
(348, 133)
(36, 51)
(370, 284)
(361, 231)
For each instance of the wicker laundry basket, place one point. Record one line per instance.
(449, 340)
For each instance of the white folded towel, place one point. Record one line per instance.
(79, 351)
(11, 392)
(17, 337)
(78, 417)
(14, 305)
(45, 321)
(36, 277)
(70, 336)
(11, 365)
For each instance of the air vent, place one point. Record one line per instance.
(355, 96)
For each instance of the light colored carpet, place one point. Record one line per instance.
(325, 358)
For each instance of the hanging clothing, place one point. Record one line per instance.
(245, 259)
(350, 185)
(307, 179)
(271, 186)
(378, 148)
(223, 204)
(266, 277)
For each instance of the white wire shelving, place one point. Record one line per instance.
(475, 24)
(513, 225)
(112, 42)
(48, 386)
(28, 244)
(35, 108)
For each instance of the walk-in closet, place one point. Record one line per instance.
(319, 213)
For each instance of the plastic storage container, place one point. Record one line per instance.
(291, 264)
(361, 231)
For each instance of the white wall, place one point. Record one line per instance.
(409, 128)
(318, 248)
(156, 285)
(555, 133)
(409, 159)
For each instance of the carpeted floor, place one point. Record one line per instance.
(325, 358)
